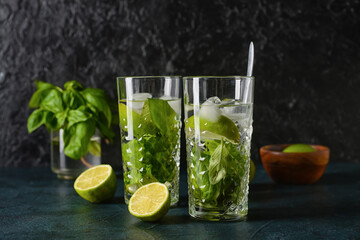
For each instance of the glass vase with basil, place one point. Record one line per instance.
(77, 117)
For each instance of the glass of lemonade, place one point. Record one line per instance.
(218, 129)
(150, 124)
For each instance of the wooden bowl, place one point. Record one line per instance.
(294, 168)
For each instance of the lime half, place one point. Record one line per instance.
(299, 148)
(97, 184)
(223, 127)
(151, 202)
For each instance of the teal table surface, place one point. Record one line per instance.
(34, 204)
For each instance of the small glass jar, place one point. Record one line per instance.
(66, 167)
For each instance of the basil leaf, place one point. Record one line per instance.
(40, 85)
(73, 99)
(77, 144)
(43, 89)
(236, 161)
(78, 115)
(73, 85)
(60, 119)
(98, 99)
(35, 120)
(50, 121)
(162, 115)
(95, 148)
(218, 164)
(53, 101)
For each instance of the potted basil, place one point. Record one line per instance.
(76, 117)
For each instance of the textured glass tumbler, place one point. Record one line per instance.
(218, 129)
(150, 124)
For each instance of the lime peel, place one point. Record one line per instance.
(299, 148)
(223, 127)
(150, 202)
(97, 184)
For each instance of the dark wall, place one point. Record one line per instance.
(307, 61)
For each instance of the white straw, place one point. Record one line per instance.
(250, 60)
(249, 71)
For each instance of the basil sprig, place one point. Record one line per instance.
(77, 110)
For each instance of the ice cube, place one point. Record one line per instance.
(138, 101)
(214, 100)
(141, 96)
(227, 102)
(210, 110)
(174, 104)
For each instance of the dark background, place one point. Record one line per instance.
(307, 62)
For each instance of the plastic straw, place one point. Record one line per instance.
(249, 71)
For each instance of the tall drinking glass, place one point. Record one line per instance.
(218, 128)
(150, 123)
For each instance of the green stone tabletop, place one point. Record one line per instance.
(34, 204)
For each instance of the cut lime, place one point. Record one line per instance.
(151, 202)
(97, 184)
(252, 171)
(140, 124)
(223, 127)
(299, 148)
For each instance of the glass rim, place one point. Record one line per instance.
(218, 77)
(143, 77)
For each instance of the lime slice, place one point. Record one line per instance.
(140, 123)
(299, 148)
(252, 171)
(223, 127)
(97, 184)
(151, 202)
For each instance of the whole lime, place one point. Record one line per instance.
(299, 148)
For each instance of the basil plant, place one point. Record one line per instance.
(77, 110)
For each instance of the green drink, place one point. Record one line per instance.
(218, 138)
(150, 141)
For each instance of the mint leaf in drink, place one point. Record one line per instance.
(132, 158)
(162, 115)
(77, 145)
(158, 151)
(236, 160)
(218, 164)
(98, 99)
(200, 179)
(215, 179)
(150, 156)
(53, 101)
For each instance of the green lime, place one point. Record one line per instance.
(140, 123)
(151, 202)
(252, 171)
(223, 127)
(299, 148)
(97, 184)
